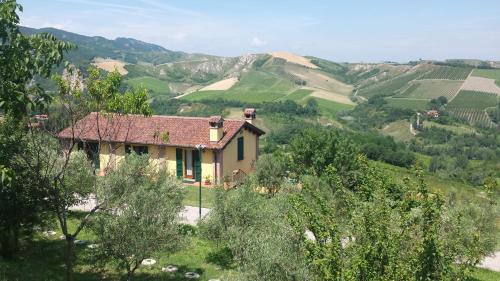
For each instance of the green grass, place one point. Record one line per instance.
(449, 73)
(488, 73)
(297, 95)
(430, 89)
(42, 259)
(192, 196)
(458, 129)
(330, 108)
(407, 103)
(254, 86)
(154, 85)
(399, 130)
(485, 275)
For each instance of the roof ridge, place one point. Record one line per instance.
(179, 117)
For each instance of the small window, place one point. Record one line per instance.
(139, 149)
(240, 148)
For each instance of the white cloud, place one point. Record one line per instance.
(257, 42)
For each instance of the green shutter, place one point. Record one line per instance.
(240, 148)
(178, 158)
(197, 165)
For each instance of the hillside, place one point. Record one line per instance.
(280, 76)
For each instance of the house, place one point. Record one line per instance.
(227, 146)
(433, 113)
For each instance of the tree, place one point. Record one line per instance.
(142, 215)
(263, 244)
(22, 59)
(102, 95)
(270, 172)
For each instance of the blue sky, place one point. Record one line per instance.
(353, 31)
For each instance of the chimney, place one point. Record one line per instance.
(216, 128)
(250, 115)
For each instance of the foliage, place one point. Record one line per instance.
(271, 171)
(22, 58)
(263, 244)
(141, 216)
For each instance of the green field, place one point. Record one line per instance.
(458, 129)
(297, 95)
(488, 73)
(416, 104)
(448, 73)
(471, 105)
(254, 86)
(330, 108)
(154, 85)
(430, 89)
(399, 130)
(389, 87)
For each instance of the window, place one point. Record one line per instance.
(139, 149)
(240, 148)
(92, 151)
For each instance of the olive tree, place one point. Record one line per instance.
(142, 216)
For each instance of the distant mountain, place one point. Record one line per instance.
(125, 49)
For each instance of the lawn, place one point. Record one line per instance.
(192, 196)
(488, 73)
(255, 86)
(42, 259)
(154, 85)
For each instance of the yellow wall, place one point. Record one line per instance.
(230, 155)
(166, 159)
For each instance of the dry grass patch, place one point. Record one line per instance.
(110, 65)
(322, 94)
(222, 85)
(294, 59)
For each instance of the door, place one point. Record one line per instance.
(189, 164)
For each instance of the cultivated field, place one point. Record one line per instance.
(330, 108)
(471, 106)
(430, 89)
(254, 86)
(488, 73)
(389, 87)
(448, 73)
(332, 97)
(222, 85)
(110, 65)
(297, 95)
(294, 59)
(481, 84)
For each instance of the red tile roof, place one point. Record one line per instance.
(135, 129)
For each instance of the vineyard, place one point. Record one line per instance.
(448, 73)
(430, 89)
(475, 116)
(471, 105)
(388, 87)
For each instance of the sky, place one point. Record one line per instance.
(344, 31)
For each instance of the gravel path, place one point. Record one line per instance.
(491, 262)
(189, 215)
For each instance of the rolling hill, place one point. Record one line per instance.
(279, 76)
